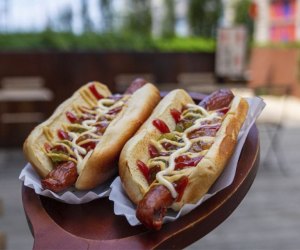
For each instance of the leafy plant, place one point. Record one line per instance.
(122, 41)
(203, 16)
(138, 19)
(189, 44)
(242, 15)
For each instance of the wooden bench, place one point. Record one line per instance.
(23, 105)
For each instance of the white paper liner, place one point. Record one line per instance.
(72, 196)
(123, 206)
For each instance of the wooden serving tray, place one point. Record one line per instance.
(57, 225)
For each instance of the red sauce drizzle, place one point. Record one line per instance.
(89, 145)
(62, 135)
(143, 168)
(153, 152)
(223, 110)
(176, 115)
(169, 146)
(59, 148)
(47, 147)
(180, 186)
(184, 161)
(115, 110)
(71, 117)
(161, 126)
(94, 91)
(102, 127)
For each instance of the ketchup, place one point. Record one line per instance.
(114, 110)
(182, 158)
(94, 91)
(169, 146)
(153, 152)
(176, 115)
(89, 145)
(71, 117)
(102, 127)
(180, 186)
(143, 168)
(161, 126)
(47, 147)
(223, 110)
(62, 135)
(59, 148)
(185, 161)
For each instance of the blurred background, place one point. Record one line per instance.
(48, 49)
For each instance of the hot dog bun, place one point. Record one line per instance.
(204, 174)
(96, 167)
(136, 148)
(211, 166)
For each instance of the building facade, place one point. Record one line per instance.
(277, 21)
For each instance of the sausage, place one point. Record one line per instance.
(218, 99)
(135, 85)
(204, 131)
(61, 177)
(153, 207)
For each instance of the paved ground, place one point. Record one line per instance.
(268, 218)
(13, 222)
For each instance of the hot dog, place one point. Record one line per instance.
(179, 152)
(79, 143)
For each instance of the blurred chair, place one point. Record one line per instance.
(272, 124)
(203, 82)
(2, 235)
(124, 80)
(22, 105)
(2, 241)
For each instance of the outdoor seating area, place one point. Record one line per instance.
(269, 208)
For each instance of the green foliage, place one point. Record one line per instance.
(125, 41)
(131, 32)
(242, 15)
(203, 16)
(168, 29)
(278, 45)
(139, 19)
(108, 14)
(87, 22)
(65, 19)
(188, 44)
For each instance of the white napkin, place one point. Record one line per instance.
(72, 196)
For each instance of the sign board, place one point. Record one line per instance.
(231, 52)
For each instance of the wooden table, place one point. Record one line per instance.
(93, 225)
